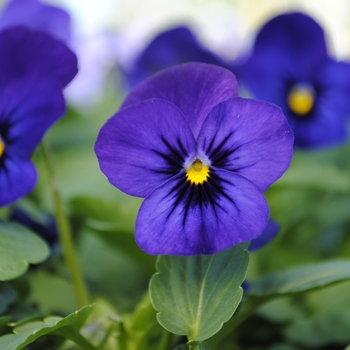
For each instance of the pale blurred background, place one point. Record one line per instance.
(106, 33)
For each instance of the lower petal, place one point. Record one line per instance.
(183, 219)
(17, 178)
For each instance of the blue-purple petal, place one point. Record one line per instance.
(27, 54)
(38, 16)
(269, 233)
(27, 109)
(17, 178)
(295, 37)
(144, 145)
(195, 88)
(248, 137)
(173, 46)
(180, 219)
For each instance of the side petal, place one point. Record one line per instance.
(35, 55)
(182, 219)
(143, 145)
(17, 179)
(248, 137)
(27, 110)
(195, 88)
(36, 15)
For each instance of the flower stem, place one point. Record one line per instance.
(65, 234)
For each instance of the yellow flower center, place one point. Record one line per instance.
(2, 147)
(198, 172)
(301, 99)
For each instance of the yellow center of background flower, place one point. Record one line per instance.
(198, 172)
(2, 147)
(301, 100)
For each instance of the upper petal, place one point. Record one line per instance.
(195, 88)
(27, 109)
(289, 48)
(27, 54)
(183, 219)
(294, 36)
(248, 137)
(143, 145)
(17, 178)
(38, 16)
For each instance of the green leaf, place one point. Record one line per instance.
(348, 347)
(321, 331)
(67, 327)
(195, 295)
(18, 248)
(301, 279)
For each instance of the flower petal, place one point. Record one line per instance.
(195, 88)
(294, 36)
(27, 109)
(248, 137)
(143, 145)
(289, 49)
(35, 55)
(17, 178)
(38, 16)
(266, 237)
(180, 219)
(173, 46)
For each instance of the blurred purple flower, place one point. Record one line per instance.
(290, 67)
(199, 154)
(269, 233)
(37, 16)
(34, 68)
(169, 48)
(45, 226)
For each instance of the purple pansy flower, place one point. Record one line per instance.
(290, 67)
(199, 154)
(169, 48)
(34, 68)
(38, 16)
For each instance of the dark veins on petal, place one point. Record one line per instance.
(219, 155)
(204, 196)
(175, 157)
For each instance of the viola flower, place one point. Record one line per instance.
(200, 156)
(34, 68)
(38, 16)
(169, 48)
(290, 67)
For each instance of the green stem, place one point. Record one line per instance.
(194, 345)
(65, 234)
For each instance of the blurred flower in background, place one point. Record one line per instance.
(34, 68)
(290, 67)
(36, 15)
(173, 46)
(269, 233)
(42, 224)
